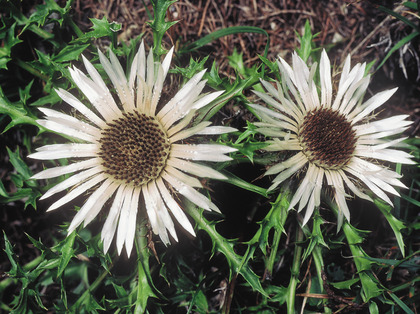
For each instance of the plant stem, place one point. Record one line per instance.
(159, 25)
(277, 218)
(31, 70)
(273, 253)
(29, 266)
(291, 291)
(34, 263)
(75, 28)
(144, 288)
(319, 265)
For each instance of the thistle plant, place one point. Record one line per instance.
(150, 194)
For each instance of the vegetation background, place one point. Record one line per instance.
(225, 268)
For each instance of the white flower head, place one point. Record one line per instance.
(334, 139)
(130, 152)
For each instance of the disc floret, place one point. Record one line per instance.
(327, 138)
(134, 148)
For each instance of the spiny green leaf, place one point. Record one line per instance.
(9, 40)
(395, 224)
(245, 143)
(101, 28)
(306, 42)
(248, 148)
(272, 65)
(17, 181)
(278, 294)
(371, 287)
(91, 305)
(70, 53)
(120, 291)
(235, 180)
(25, 277)
(354, 235)
(316, 237)
(3, 192)
(159, 25)
(32, 198)
(66, 252)
(43, 12)
(20, 302)
(49, 67)
(37, 296)
(19, 164)
(275, 218)
(52, 98)
(370, 284)
(23, 176)
(236, 61)
(38, 244)
(16, 112)
(344, 284)
(199, 301)
(16, 271)
(144, 290)
(251, 130)
(25, 93)
(21, 19)
(238, 264)
(30, 194)
(193, 68)
(213, 78)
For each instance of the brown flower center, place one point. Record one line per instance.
(134, 148)
(327, 138)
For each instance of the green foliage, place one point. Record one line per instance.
(395, 224)
(9, 39)
(280, 266)
(159, 25)
(316, 238)
(27, 188)
(193, 68)
(18, 112)
(275, 219)
(238, 264)
(236, 61)
(306, 42)
(101, 28)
